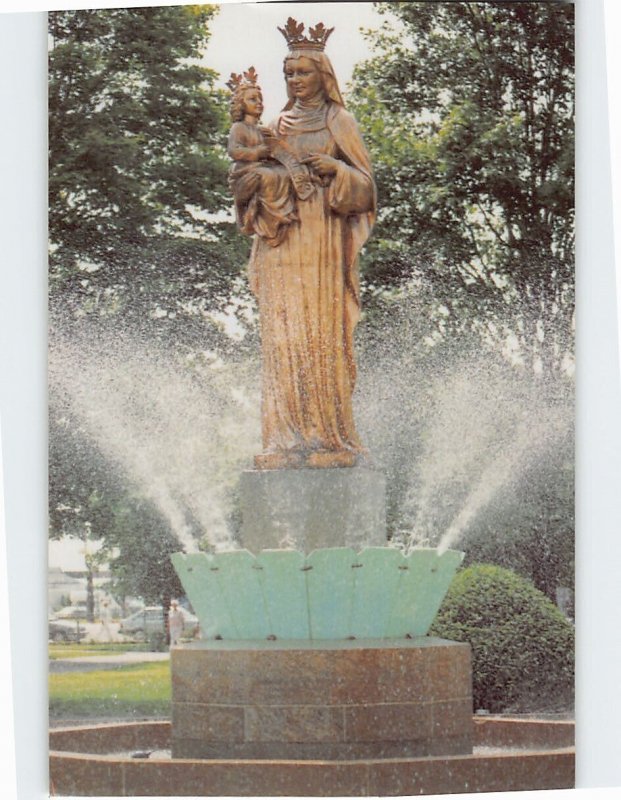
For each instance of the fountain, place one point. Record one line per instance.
(315, 674)
(292, 632)
(124, 402)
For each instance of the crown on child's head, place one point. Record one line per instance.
(294, 34)
(248, 78)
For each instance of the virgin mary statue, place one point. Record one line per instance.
(306, 279)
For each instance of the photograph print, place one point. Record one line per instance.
(311, 398)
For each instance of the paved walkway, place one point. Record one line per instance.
(112, 661)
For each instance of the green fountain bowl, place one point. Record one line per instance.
(332, 593)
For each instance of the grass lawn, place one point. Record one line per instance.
(136, 690)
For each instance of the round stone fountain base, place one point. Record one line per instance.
(509, 755)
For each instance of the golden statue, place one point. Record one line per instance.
(310, 205)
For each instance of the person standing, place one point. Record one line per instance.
(175, 622)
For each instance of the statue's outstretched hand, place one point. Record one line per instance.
(321, 164)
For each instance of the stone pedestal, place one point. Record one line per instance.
(313, 508)
(338, 700)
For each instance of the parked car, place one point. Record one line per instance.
(71, 612)
(59, 631)
(144, 624)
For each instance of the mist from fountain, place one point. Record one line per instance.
(451, 430)
(456, 427)
(180, 432)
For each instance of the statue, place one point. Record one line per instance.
(307, 196)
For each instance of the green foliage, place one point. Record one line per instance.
(530, 529)
(140, 543)
(522, 646)
(89, 498)
(468, 113)
(138, 240)
(137, 163)
(82, 489)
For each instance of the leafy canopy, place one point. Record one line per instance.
(468, 111)
(137, 164)
(139, 239)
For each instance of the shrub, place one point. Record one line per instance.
(522, 646)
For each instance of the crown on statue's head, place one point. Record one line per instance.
(247, 79)
(294, 34)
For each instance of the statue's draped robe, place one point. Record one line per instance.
(307, 289)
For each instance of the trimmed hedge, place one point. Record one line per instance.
(522, 646)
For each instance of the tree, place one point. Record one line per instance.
(92, 499)
(82, 489)
(530, 528)
(468, 112)
(140, 544)
(139, 244)
(137, 164)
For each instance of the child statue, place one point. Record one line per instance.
(265, 177)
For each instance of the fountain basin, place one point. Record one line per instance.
(509, 755)
(332, 593)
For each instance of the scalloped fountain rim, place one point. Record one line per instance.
(332, 593)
